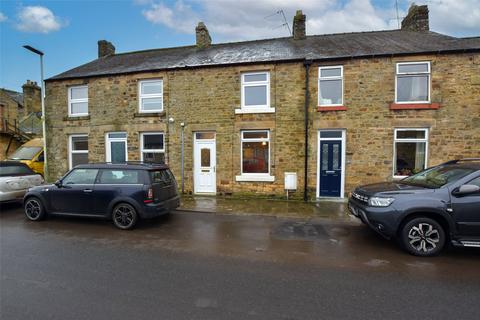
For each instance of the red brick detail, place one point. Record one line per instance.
(414, 106)
(335, 108)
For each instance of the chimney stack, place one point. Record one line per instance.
(299, 29)
(202, 36)
(105, 48)
(32, 99)
(416, 19)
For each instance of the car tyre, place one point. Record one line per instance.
(124, 216)
(423, 237)
(34, 209)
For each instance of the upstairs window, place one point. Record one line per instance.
(256, 91)
(410, 149)
(78, 101)
(412, 82)
(150, 95)
(330, 86)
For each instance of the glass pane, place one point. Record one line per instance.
(156, 157)
(324, 156)
(163, 177)
(410, 134)
(330, 92)
(255, 157)
(117, 135)
(412, 88)
(205, 135)
(410, 158)
(334, 72)
(330, 134)
(152, 87)
(25, 153)
(119, 177)
(79, 143)
(152, 103)
(81, 176)
(256, 95)
(117, 151)
(79, 158)
(255, 77)
(79, 93)
(11, 170)
(152, 141)
(414, 67)
(475, 182)
(255, 135)
(336, 157)
(79, 107)
(205, 157)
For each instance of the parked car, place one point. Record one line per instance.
(120, 192)
(31, 153)
(15, 179)
(425, 211)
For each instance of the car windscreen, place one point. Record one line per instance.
(437, 177)
(15, 170)
(25, 153)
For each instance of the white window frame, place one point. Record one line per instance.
(70, 149)
(71, 101)
(262, 177)
(395, 141)
(428, 73)
(142, 150)
(154, 95)
(320, 78)
(108, 145)
(257, 108)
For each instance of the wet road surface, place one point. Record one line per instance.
(205, 266)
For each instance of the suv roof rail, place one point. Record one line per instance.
(461, 160)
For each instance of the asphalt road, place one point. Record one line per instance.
(205, 266)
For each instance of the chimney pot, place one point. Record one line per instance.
(299, 28)
(105, 48)
(416, 19)
(202, 36)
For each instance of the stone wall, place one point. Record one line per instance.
(205, 99)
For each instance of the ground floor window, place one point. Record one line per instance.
(410, 151)
(116, 147)
(152, 147)
(78, 149)
(256, 152)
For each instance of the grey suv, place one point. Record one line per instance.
(425, 211)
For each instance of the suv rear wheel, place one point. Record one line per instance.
(124, 216)
(423, 237)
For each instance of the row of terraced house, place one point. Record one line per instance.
(328, 111)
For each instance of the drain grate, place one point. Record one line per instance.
(300, 231)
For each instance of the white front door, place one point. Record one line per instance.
(204, 163)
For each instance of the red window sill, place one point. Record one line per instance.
(414, 106)
(335, 108)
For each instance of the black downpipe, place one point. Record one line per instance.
(307, 64)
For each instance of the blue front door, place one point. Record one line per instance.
(330, 168)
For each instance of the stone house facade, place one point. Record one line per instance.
(330, 111)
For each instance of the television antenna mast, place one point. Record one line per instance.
(285, 22)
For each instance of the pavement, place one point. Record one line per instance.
(191, 265)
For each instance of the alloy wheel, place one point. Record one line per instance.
(124, 216)
(33, 209)
(424, 237)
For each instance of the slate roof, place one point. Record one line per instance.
(16, 96)
(319, 47)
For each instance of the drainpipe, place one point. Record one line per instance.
(183, 156)
(306, 64)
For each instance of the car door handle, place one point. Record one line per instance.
(87, 190)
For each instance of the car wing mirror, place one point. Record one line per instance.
(58, 183)
(467, 189)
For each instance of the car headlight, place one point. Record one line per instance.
(380, 202)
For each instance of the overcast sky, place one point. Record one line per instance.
(67, 31)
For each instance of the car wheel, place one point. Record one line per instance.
(423, 237)
(34, 209)
(124, 216)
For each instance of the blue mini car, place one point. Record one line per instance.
(121, 192)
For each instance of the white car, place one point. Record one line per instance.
(15, 180)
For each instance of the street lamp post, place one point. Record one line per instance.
(44, 130)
